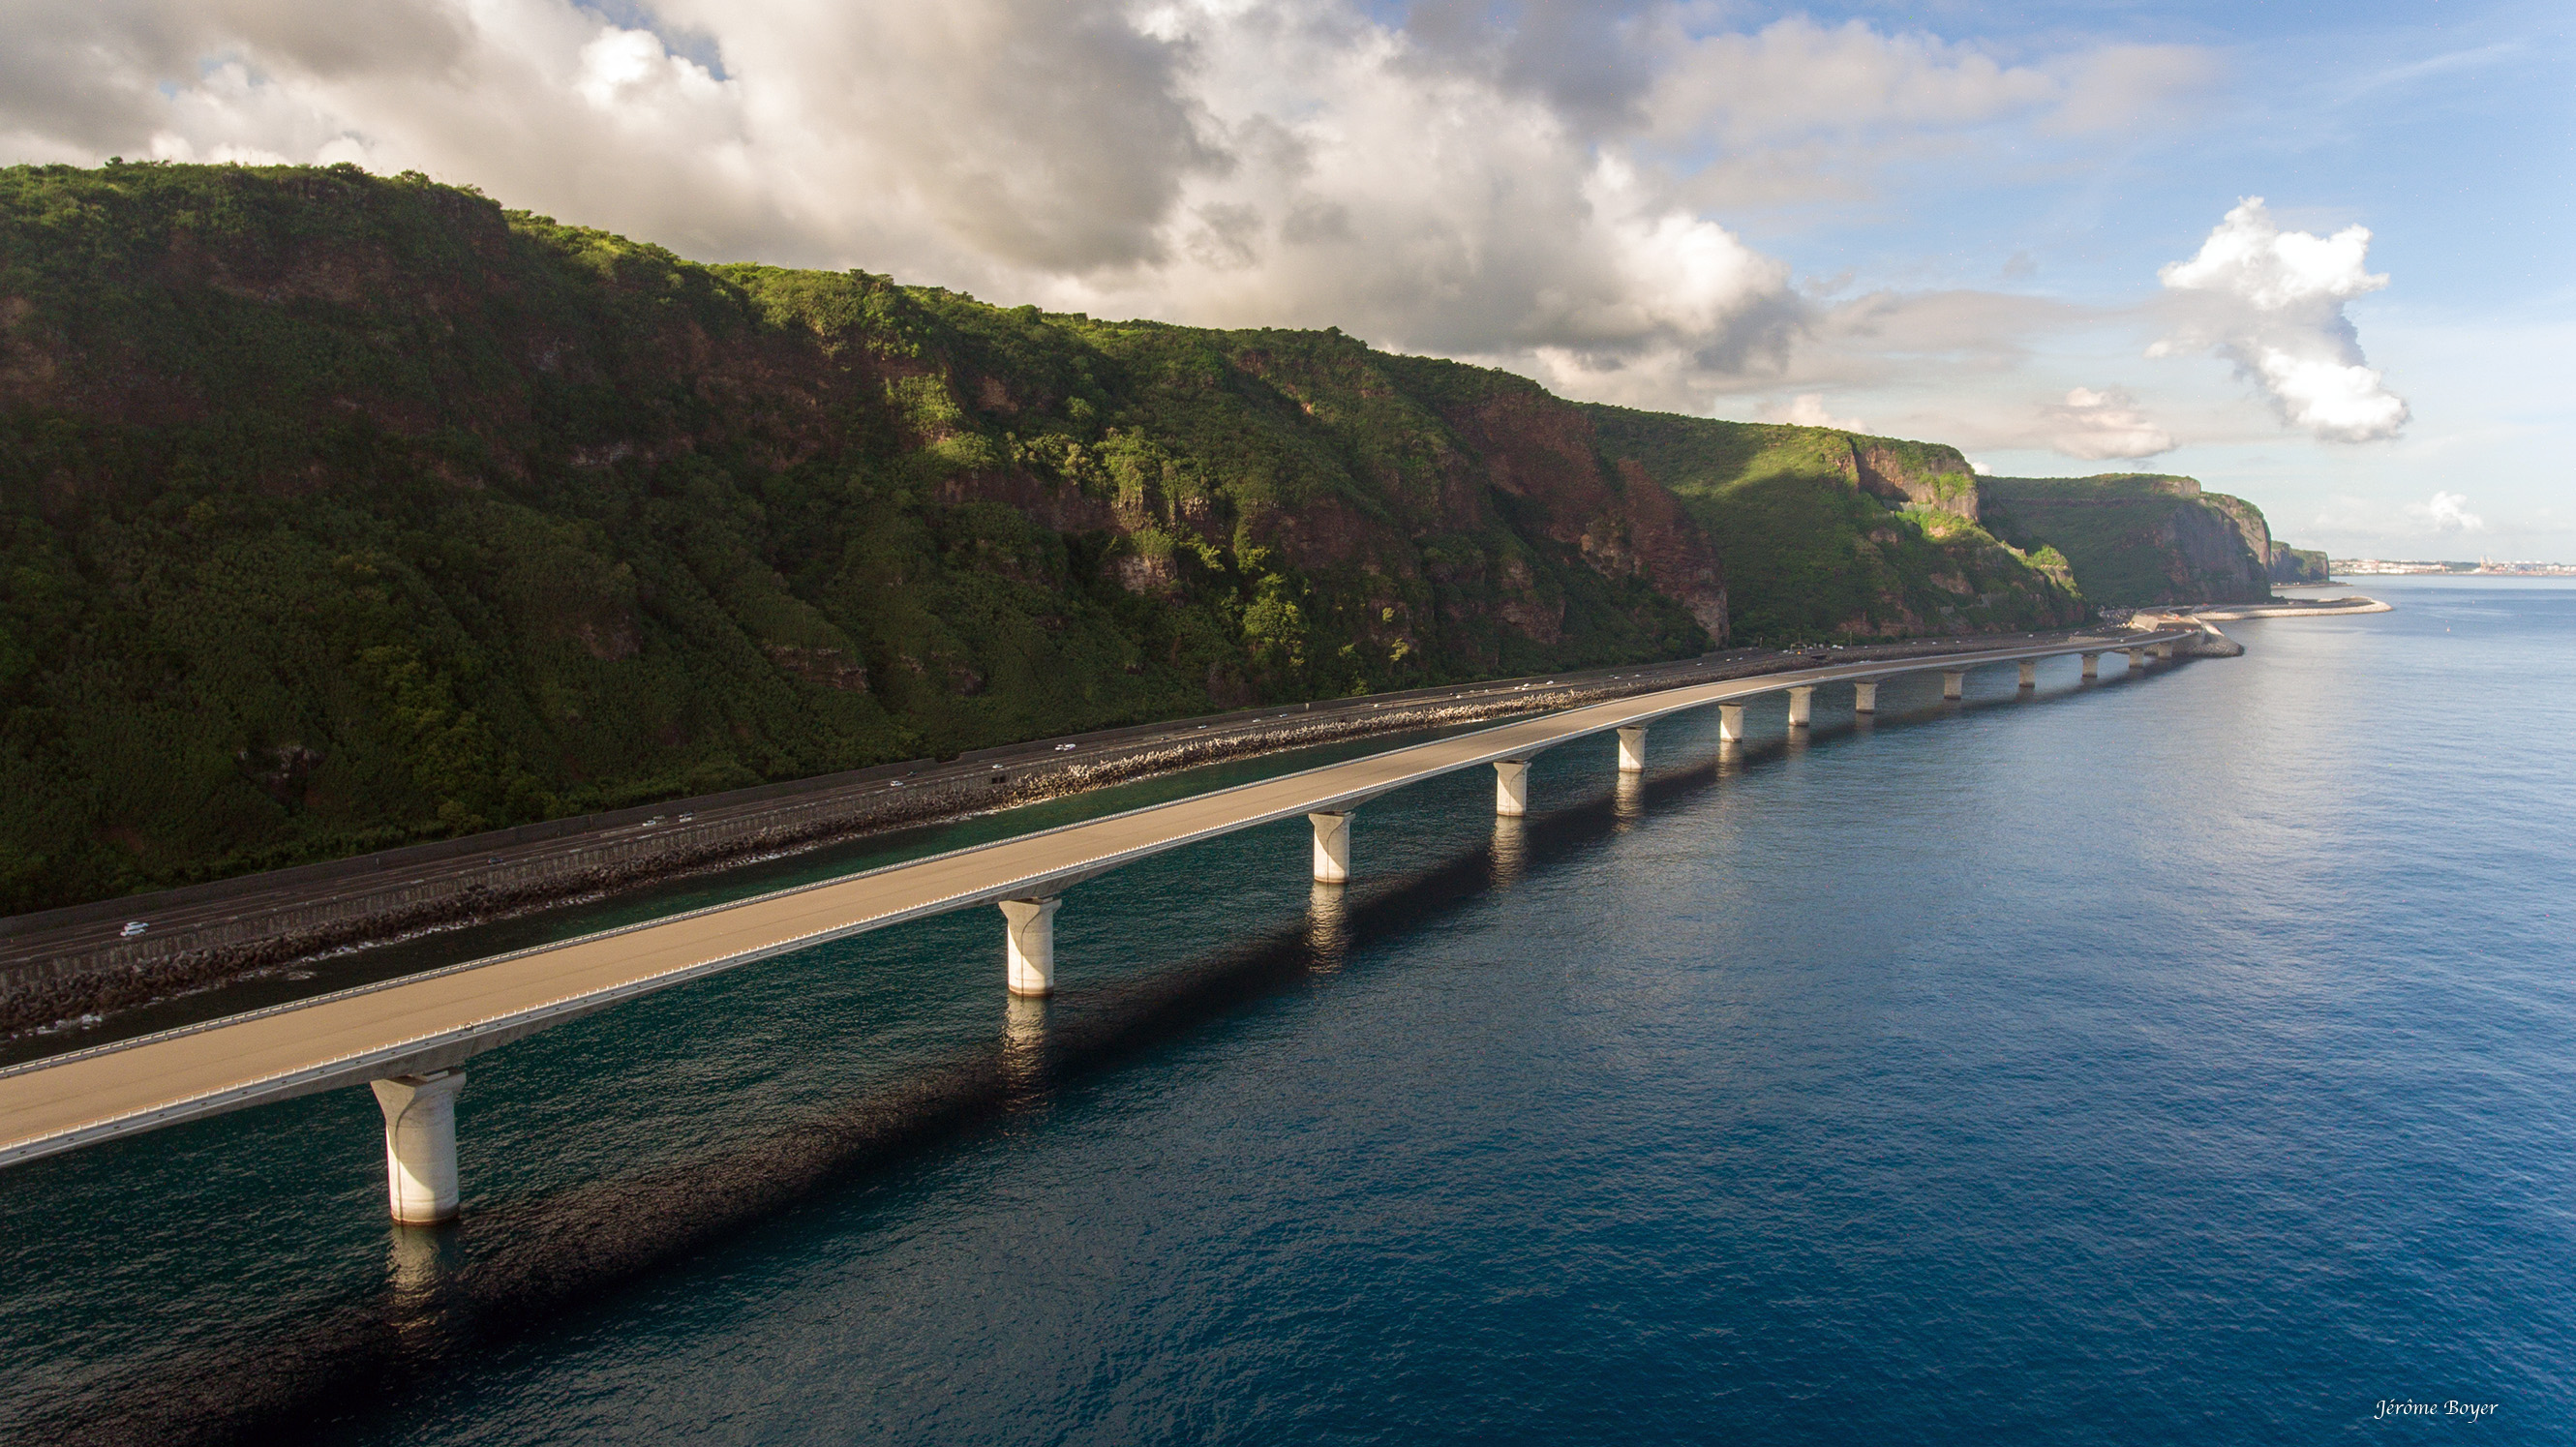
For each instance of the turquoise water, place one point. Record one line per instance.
(2182, 1058)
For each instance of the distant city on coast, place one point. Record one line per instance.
(2483, 568)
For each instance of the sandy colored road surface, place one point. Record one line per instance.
(431, 1021)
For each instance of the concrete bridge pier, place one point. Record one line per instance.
(1865, 696)
(1511, 787)
(1632, 749)
(1730, 723)
(1029, 941)
(1954, 682)
(2137, 658)
(420, 1144)
(1332, 847)
(2162, 650)
(1802, 700)
(2092, 665)
(2030, 673)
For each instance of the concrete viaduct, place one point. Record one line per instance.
(409, 1038)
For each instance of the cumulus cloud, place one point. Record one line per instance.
(2446, 512)
(1807, 409)
(1300, 163)
(2272, 302)
(1542, 185)
(2096, 425)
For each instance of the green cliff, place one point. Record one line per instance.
(2136, 539)
(1826, 535)
(338, 511)
(2299, 565)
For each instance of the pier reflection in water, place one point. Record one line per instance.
(1509, 851)
(1024, 1019)
(1628, 798)
(1328, 925)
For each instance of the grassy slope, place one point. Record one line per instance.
(337, 511)
(1809, 556)
(2115, 529)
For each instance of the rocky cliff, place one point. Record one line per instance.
(1823, 534)
(2299, 565)
(338, 511)
(2136, 539)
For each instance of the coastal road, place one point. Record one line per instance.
(431, 1021)
(91, 929)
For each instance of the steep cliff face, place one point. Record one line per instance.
(1541, 454)
(337, 511)
(2251, 530)
(2138, 539)
(1927, 475)
(1821, 534)
(2299, 565)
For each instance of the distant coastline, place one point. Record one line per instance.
(2482, 568)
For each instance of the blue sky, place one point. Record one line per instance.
(2446, 129)
(2020, 229)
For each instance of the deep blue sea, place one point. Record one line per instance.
(2181, 1058)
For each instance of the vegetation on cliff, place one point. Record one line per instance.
(2299, 565)
(337, 511)
(1828, 535)
(2135, 539)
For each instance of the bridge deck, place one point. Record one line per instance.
(426, 1022)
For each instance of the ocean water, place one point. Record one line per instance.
(2186, 1057)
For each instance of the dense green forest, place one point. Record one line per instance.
(338, 511)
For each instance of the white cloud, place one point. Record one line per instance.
(2272, 302)
(2447, 512)
(1539, 189)
(2097, 425)
(1807, 409)
(1435, 212)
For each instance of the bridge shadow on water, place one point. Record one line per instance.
(508, 1269)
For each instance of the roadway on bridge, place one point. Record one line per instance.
(429, 1021)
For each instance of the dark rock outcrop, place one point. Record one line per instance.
(2299, 565)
